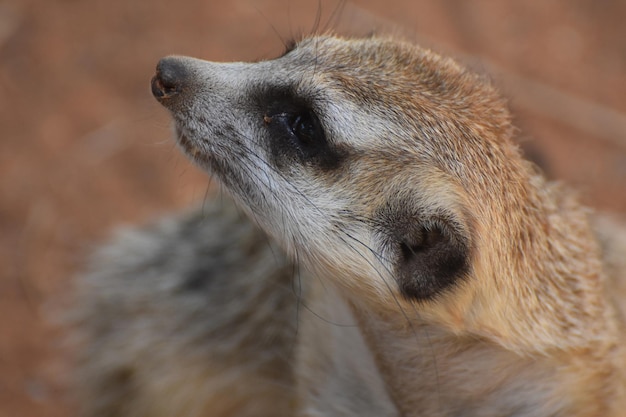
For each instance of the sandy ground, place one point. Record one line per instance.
(85, 148)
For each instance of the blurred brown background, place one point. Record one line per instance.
(85, 148)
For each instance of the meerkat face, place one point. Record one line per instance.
(346, 151)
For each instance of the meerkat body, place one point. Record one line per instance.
(172, 323)
(447, 277)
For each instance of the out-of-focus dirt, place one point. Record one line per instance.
(85, 148)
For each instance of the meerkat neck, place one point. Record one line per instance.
(449, 365)
(536, 283)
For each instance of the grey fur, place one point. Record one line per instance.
(167, 308)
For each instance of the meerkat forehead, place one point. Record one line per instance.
(355, 153)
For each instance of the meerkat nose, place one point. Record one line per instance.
(171, 76)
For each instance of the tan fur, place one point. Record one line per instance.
(417, 153)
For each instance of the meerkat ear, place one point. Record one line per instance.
(432, 257)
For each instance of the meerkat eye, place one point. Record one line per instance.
(300, 128)
(305, 128)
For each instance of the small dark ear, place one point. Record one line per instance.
(432, 257)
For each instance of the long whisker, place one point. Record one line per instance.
(333, 20)
(247, 152)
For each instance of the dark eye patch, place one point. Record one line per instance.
(307, 129)
(299, 129)
(295, 132)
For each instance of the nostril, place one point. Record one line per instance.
(171, 76)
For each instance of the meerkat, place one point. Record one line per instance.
(443, 275)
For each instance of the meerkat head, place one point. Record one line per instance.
(379, 163)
